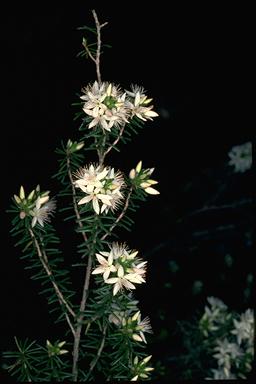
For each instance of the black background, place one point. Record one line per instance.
(193, 60)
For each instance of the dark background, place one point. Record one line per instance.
(194, 61)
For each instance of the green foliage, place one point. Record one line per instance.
(104, 332)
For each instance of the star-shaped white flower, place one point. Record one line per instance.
(95, 197)
(90, 177)
(123, 280)
(106, 266)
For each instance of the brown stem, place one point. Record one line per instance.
(97, 58)
(81, 313)
(115, 142)
(95, 360)
(121, 214)
(43, 258)
(80, 318)
(74, 198)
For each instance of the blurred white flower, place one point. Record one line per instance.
(241, 157)
(244, 329)
(216, 303)
(221, 374)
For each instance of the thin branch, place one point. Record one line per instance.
(81, 315)
(96, 358)
(97, 58)
(208, 208)
(78, 217)
(43, 258)
(121, 214)
(115, 142)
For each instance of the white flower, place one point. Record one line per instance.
(216, 303)
(244, 329)
(105, 104)
(90, 177)
(241, 157)
(138, 104)
(141, 178)
(42, 211)
(101, 185)
(106, 266)
(141, 327)
(95, 197)
(129, 269)
(121, 281)
(225, 352)
(221, 374)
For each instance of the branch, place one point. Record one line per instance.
(81, 314)
(208, 208)
(115, 142)
(96, 59)
(44, 260)
(74, 198)
(121, 214)
(95, 360)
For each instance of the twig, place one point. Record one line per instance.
(43, 258)
(81, 315)
(74, 198)
(207, 208)
(116, 140)
(121, 214)
(96, 358)
(96, 58)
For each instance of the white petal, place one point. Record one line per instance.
(106, 274)
(102, 174)
(116, 288)
(152, 191)
(93, 123)
(136, 337)
(112, 280)
(96, 206)
(98, 270)
(101, 260)
(120, 271)
(84, 200)
(128, 285)
(138, 166)
(151, 113)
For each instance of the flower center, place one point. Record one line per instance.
(110, 102)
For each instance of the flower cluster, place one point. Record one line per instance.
(141, 179)
(120, 267)
(36, 205)
(132, 326)
(140, 369)
(241, 157)
(102, 187)
(233, 347)
(107, 105)
(55, 349)
(214, 316)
